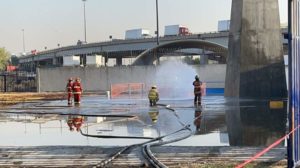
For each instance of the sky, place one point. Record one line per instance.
(47, 23)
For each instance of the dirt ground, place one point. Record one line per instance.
(224, 164)
(7, 99)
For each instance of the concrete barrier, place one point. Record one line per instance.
(100, 78)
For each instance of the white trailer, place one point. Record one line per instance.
(71, 60)
(137, 34)
(223, 25)
(95, 60)
(175, 30)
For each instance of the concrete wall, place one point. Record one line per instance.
(100, 78)
(255, 60)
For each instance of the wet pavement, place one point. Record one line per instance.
(120, 122)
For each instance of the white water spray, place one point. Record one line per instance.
(174, 80)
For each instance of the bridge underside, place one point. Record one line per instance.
(209, 51)
(178, 48)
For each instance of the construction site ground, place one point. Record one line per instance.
(93, 151)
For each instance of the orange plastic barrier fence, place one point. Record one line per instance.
(140, 89)
(126, 89)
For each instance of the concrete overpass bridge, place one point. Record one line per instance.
(211, 45)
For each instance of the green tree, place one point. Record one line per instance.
(4, 58)
(188, 60)
(197, 61)
(14, 60)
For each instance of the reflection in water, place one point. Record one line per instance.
(153, 113)
(198, 117)
(75, 121)
(217, 123)
(236, 123)
(118, 127)
(207, 121)
(253, 123)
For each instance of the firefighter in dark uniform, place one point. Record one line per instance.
(197, 90)
(198, 117)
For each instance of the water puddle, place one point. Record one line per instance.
(102, 122)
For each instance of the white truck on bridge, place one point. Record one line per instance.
(71, 60)
(137, 34)
(176, 30)
(95, 60)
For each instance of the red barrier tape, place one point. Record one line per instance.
(267, 149)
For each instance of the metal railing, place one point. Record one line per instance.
(17, 81)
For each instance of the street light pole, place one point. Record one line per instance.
(157, 24)
(23, 40)
(290, 142)
(157, 33)
(84, 20)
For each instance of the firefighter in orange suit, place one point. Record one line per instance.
(197, 90)
(69, 88)
(77, 122)
(77, 91)
(70, 123)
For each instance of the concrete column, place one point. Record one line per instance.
(255, 66)
(119, 61)
(105, 60)
(203, 59)
(38, 80)
(158, 60)
(54, 61)
(83, 59)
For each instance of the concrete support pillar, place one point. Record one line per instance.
(203, 59)
(119, 61)
(83, 60)
(38, 80)
(158, 60)
(37, 63)
(54, 61)
(105, 60)
(255, 66)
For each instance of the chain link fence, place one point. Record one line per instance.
(18, 81)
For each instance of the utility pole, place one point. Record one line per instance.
(157, 24)
(84, 18)
(23, 40)
(293, 17)
(157, 34)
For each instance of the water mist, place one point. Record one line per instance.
(174, 80)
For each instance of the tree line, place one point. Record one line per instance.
(5, 58)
